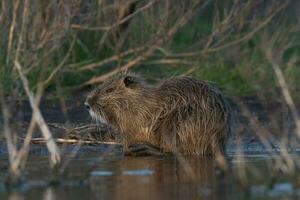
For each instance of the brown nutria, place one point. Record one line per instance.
(179, 115)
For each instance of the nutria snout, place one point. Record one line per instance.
(179, 115)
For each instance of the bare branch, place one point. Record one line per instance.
(120, 22)
(52, 147)
(12, 28)
(284, 88)
(60, 65)
(182, 21)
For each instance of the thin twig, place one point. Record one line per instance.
(59, 66)
(233, 42)
(12, 151)
(71, 141)
(182, 21)
(11, 29)
(52, 147)
(110, 59)
(284, 89)
(120, 22)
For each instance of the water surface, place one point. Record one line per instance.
(90, 176)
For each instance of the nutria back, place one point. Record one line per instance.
(180, 115)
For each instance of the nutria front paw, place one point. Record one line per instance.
(143, 149)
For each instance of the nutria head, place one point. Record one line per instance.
(113, 97)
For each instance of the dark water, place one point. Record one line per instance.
(90, 176)
(102, 172)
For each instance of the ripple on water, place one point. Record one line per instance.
(139, 172)
(102, 173)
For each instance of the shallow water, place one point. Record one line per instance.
(109, 176)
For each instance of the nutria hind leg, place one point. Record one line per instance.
(143, 149)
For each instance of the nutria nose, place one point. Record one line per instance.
(87, 105)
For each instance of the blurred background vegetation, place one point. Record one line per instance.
(67, 45)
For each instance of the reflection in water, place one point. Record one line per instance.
(16, 196)
(128, 178)
(49, 194)
(170, 180)
(94, 177)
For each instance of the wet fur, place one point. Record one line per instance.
(179, 115)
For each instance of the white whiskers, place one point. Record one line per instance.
(99, 117)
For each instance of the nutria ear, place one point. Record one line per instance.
(128, 81)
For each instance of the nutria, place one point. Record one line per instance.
(179, 115)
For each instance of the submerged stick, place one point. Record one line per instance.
(71, 141)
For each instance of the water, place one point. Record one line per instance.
(108, 176)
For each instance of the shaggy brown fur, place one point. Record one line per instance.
(179, 115)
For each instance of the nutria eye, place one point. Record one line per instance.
(128, 80)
